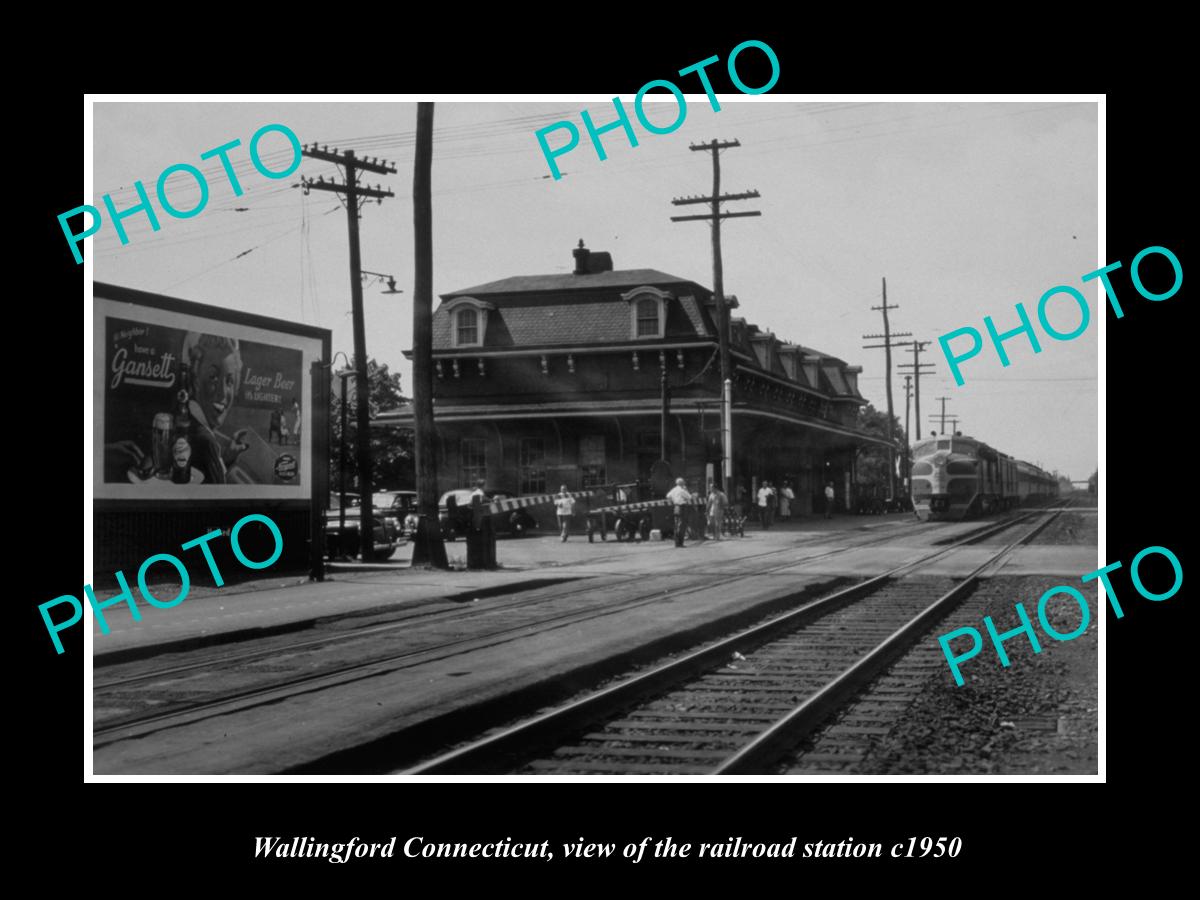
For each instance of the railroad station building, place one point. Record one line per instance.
(543, 380)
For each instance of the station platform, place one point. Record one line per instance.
(240, 611)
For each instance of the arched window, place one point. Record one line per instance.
(468, 327)
(647, 311)
(647, 317)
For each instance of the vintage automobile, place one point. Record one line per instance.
(454, 515)
(341, 543)
(400, 510)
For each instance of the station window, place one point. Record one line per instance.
(591, 460)
(647, 317)
(473, 461)
(467, 321)
(531, 458)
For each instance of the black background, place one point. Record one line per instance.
(186, 833)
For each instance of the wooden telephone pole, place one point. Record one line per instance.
(356, 194)
(428, 548)
(887, 346)
(942, 416)
(715, 218)
(917, 368)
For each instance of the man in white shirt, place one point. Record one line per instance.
(766, 497)
(679, 496)
(564, 508)
(829, 497)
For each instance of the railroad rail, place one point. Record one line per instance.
(188, 675)
(736, 706)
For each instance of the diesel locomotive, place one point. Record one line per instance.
(954, 476)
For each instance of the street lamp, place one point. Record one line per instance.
(380, 277)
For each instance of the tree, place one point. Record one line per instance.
(391, 449)
(872, 459)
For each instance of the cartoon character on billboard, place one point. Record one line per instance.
(210, 368)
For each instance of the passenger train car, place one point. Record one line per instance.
(954, 476)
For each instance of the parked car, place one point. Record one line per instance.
(454, 515)
(339, 543)
(399, 508)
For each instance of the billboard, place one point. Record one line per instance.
(190, 407)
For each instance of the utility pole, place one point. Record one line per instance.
(887, 346)
(942, 416)
(355, 194)
(917, 368)
(664, 422)
(714, 147)
(342, 469)
(907, 443)
(429, 548)
(907, 403)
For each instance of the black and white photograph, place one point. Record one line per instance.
(679, 437)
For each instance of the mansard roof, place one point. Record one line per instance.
(592, 307)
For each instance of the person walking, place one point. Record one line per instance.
(786, 496)
(679, 497)
(829, 497)
(564, 508)
(717, 501)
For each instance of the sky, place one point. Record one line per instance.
(965, 208)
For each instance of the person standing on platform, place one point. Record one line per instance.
(564, 508)
(679, 497)
(717, 501)
(766, 504)
(829, 498)
(786, 496)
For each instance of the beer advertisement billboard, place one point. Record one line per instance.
(193, 407)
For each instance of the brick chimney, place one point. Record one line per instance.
(581, 254)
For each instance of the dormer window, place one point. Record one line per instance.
(648, 312)
(647, 317)
(468, 321)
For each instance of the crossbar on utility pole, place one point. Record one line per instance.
(355, 194)
(715, 216)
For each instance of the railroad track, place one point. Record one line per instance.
(738, 705)
(198, 702)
